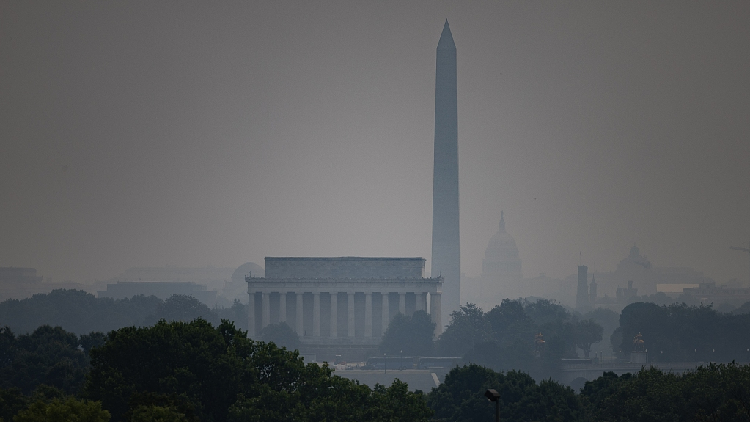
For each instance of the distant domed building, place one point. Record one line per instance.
(501, 267)
(501, 259)
(248, 268)
(237, 287)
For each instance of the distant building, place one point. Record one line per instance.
(216, 279)
(708, 293)
(582, 294)
(236, 289)
(592, 291)
(501, 269)
(21, 283)
(646, 278)
(161, 289)
(213, 277)
(625, 295)
(18, 275)
(341, 305)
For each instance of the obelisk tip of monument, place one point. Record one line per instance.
(446, 38)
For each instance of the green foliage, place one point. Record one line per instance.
(587, 332)
(157, 414)
(409, 335)
(47, 356)
(218, 374)
(461, 397)
(468, 327)
(396, 403)
(744, 309)
(70, 409)
(681, 333)
(76, 311)
(282, 335)
(504, 337)
(714, 392)
(607, 318)
(237, 313)
(204, 364)
(181, 308)
(12, 401)
(91, 340)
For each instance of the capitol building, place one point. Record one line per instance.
(501, 271)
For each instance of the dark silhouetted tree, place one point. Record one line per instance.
(181, 308)
(461, 397)
(282, 335)
(409, 335)
(47, 356)
(587, 332)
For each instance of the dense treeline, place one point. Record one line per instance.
(178, 371)
(461, 397)
(681, 333)
(201, 369)
(710, 393)
(531, 336)
(184, 371)
(49, 356)
(81, 312)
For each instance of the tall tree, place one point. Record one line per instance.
(467, 327)
(47, 356)
(409, 335)
(587, 332)
(461, 397)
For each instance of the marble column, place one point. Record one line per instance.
(334, 314)
(316, 314)
(435, 310)
(282, 307)
(251, 316)
(402, 303)
(266, 306)
(300, 316)
(420, 299)
(368, 315)
(350, 296)
(386, 312)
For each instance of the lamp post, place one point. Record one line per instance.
(493, 395)
(385, 363)
(401, 361)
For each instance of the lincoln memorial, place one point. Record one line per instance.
(341, 301)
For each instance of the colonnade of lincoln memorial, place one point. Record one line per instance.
(339, 308)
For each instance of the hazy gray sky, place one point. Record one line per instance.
(215, 133)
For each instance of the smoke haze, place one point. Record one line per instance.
(193, 134)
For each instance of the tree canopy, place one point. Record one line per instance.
(525, 335)
(220, 374)
(70, 409)
(461, 397)
(713, 392)
(49, 355)
(409, 335)
(282, 335)
(682, 333)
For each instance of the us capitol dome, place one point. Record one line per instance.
(501, 263)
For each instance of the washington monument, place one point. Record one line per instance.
(446, 254)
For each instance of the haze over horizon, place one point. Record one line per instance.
(194, 134)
